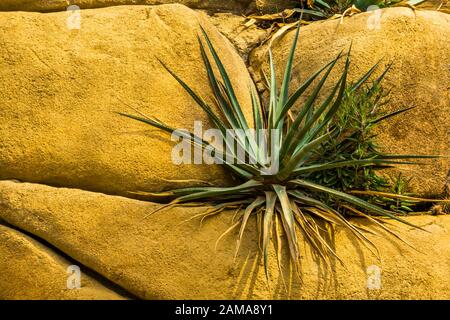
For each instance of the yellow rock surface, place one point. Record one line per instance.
(62, 5)
(417, 43)
(160, 257)
(29, 270)
(59, 89)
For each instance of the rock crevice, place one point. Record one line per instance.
(30, 270)
(164, 257)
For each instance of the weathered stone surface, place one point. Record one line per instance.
(417, 43)
(276, 5)
(161, 257)
(244, 38)
(62, 5)
(236, 6)
(29, 270)
(59, 89)
(439, 5)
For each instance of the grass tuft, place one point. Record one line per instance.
(327, 154)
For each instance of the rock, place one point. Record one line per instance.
(160, 257)
(417, 43)
(443, 6)
(59, 89)
(236, 6)
(276, 5)
(30, 271)
(244, 38)
(62, 5)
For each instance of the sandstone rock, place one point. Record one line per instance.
(440, 5)
(30, 270)
(62, 5)
(59, 89)
(417, 43)
(161, 257)
(236, 6)
(244, 38)
(276, 5)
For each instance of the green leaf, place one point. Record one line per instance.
(258, 202)
(287, 170)
(351, 199)
(305, 85)
(322, 3)
(214, 83)
(338, 101)
(288, 145)
(227, 82)
(288, 221)
(347, 163)
(273, 92)
(365, 77)
(377, 82)
(220, 125)
(284, 93)
(208, 192)
(389, 115)
(257, 110)
(271, 199)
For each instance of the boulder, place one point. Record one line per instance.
(165, 256)
(30, 270)
(235, 6)
(63, 5)
(439, 5)
(417, 43)
(60, 89)
(244, 38)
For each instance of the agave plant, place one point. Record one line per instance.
(292, 199)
